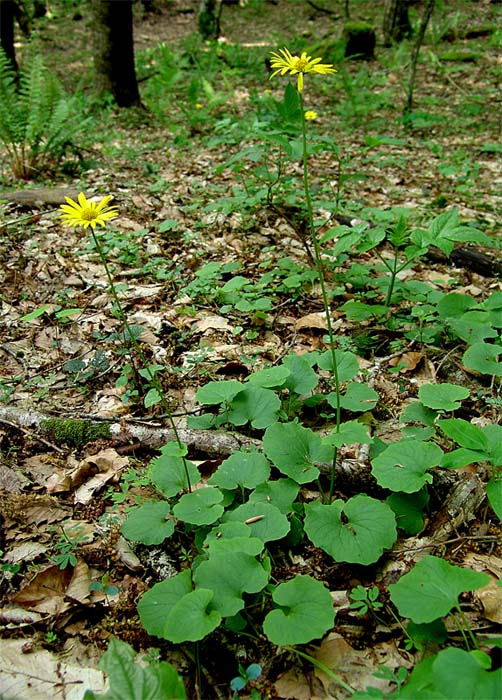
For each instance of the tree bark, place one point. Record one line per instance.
(7, 14)
(414, 58)
(396, 23)
(114, 51)
(208, 18)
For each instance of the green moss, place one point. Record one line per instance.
(355, 28)
(74, 431)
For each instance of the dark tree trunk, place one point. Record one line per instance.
(416, 50)
(114, 69)
(396, 23)
(208, 18)
(8, 12)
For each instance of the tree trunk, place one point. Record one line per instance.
(414, 58)
(114, 51)
(396, 23)
(7, 13)
(208, 18)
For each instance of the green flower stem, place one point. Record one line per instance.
(151, 376)
(320, 272)
(466, 627)
(322, 667)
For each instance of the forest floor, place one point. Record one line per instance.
(189, 194)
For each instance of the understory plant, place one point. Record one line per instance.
(277, 491)
(36, 116)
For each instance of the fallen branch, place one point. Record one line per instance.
(351, 474)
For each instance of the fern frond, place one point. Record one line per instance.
(35, 117)
(10, 116)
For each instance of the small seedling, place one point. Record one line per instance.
(251, 673)
(365, 601)
(67, 546)
(104, 586)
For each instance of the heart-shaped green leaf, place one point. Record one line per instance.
(357, 531)
(403, 465)
(305, 612)
(229, 575)
(148, 523)
(431, 588)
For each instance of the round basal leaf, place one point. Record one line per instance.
(190, 619)
(351, 431)
(231, 537)
(294, 450)
(454, 304)
(357, 531)
(346, 363)
(270, 377)
(465, 675)
(246, 545)
(202, 507)
(493, 434)
(416, 412)
(241, 469)
(169, 474)
(464, 433)
(256, 405)
(434, 631)
(129, 679)
(483, 358)
(302, 379)
(432, 587)
(218, 392)
(409, 510)
(494, 495)
(280, 493)
(265, 520)
(148, 523)
(360, 311)
(305, 612)
(152, 398)
(357, 397)
(443, 397)
(472, 327)
(456, 459)
(229, 575)
(157, 603)
(403, 465)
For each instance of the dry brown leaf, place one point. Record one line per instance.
(211, 323)
(27, 551)
(490, 597)
(315, 320)
(40, 675)
(18, 617)
(47, 592)
(12, 481)
(293, 685)
(355, 666)
(109, 463)
(409, 359)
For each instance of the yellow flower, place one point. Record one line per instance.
(284, 62)
(87, 213)
(310, 115)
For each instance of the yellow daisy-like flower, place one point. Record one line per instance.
(284, 62)
(310, 115)
(87, 213)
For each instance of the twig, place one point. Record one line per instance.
(32, 435)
